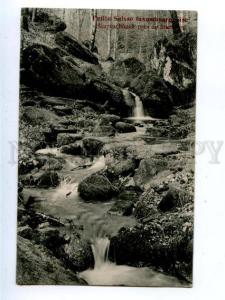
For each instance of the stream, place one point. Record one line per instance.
(64, 202)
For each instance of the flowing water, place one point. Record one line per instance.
(110, 274)
(138, 110)
(64, 202)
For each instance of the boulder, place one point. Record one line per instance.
(45, 70)
(74, 47)
(125, 201)
(92, 146)
(174, 198)
(121, 168)
(37, 116)
(147, 169)
(53, 164)
(171, 81)
(124, 71)
(36, 265)
(123, 127)
(79, 254)
(67, 138)
(153, 244)
(73, 149)
(107, 119)
(103, 130)
(96, 187)
(155, 94)
(109, 96)
(51, 239)
(46, 179)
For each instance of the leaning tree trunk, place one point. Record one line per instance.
(175, 22)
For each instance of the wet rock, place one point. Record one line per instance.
(174, 198)
(67, 138)
(124, 202)
(152, 244)
(74, 149)
(121, 168)
(107, 119)
(123, 127)
(46, 179)
(147, 169)
(36, 265)
(53, 164)
(109, 96)
(74, 47)
(96, 187)
(92, 146)
(79, 254)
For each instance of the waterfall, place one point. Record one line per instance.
(108, 273)
(100, 249)
(138, 111)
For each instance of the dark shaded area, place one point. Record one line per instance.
(74, 47)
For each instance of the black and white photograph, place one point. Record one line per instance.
(106, 150)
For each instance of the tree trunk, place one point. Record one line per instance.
(78, 24)
(109, 38)
(126, 41)
(115, 42)
(25, 19)
(93, 28)
(175, 22)
(34, 10)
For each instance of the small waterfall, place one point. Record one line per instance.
(138, 111)
(100, 249)
(108, 273)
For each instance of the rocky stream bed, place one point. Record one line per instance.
(106, 167)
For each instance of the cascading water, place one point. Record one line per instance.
(108, 273)
(138, 108)
(64, 201)
(100, 249)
